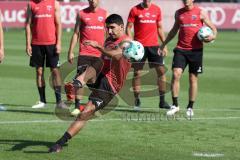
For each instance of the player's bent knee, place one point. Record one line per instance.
(77, 84)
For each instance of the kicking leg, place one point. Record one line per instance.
(89, 75)
(75, 127)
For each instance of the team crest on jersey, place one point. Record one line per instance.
(194, 17)
(100, 19)
(147, 14)
(49, 7)
(153, 15)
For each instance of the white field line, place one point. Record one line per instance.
(130, 108)
(183, 109)
(116, 119)
(209, 155)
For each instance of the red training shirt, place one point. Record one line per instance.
(190, 23)
(92, 28)
(43, 22)
(115, 70)
(145, 24)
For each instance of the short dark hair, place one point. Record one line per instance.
(114, 18)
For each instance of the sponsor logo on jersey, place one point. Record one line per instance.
(189, 25)
(95, 27)
(147, 21)
(43, 16)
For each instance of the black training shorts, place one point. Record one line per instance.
(102, 92)
(40, 53)
(86, 61)
(192, 58)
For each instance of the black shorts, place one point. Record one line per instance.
(86, 61)
(39, 52)
(193, 58)
(102, 92)
(154, 59)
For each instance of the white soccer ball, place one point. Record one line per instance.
(133, 50)
(204, 32)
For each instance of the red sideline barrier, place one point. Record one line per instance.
(14, 11)
(223, 15)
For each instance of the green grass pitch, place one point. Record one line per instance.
(214, 132)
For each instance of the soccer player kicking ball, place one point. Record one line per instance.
(110, 80)
(89, 26)
(189, 51)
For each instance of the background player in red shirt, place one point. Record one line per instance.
(89, 26)
(1, 41)
(189, 50)
(146, 19)
(110, 80)
(43, 43)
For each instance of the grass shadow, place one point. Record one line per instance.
(20, 145)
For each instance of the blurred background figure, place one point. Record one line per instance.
(146, 20)
(43, 43)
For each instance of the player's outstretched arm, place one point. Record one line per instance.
(1, 41)
(206, 20)
(28, 32)
(58, 27)
(113, 53)
(74, 39)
